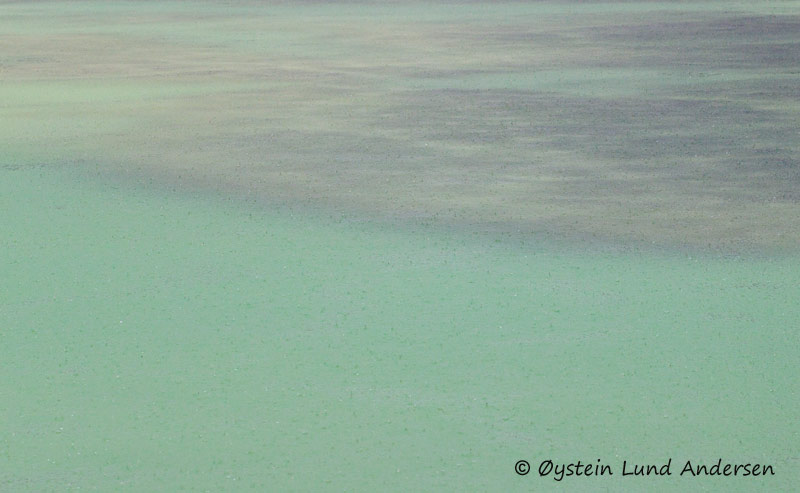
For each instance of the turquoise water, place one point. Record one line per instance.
(276, 246)
(160, 341)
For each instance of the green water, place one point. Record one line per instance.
(159, 341)
(276, 246)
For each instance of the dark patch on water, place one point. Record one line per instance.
(735, 42)
(668, 142)
(756, 28)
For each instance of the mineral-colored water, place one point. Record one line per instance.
(277, 246)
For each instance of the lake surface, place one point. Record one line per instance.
(397, 247)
